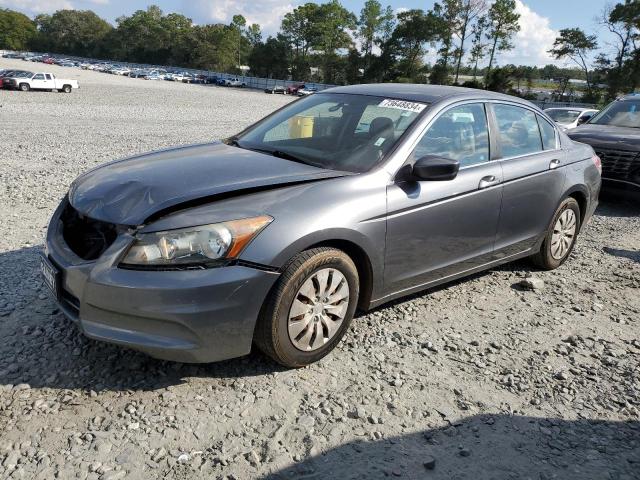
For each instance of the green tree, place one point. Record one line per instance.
(576, 45)
(623, 22)
(74, 32)
(17, 31)
(503, 25)
(447, 16)
(271, 58)
(414, 30)
(299, 30)
(141, 37)
(331, 26)
(238, 25)
(371, 27)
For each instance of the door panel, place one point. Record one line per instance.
(437, 229)
(533, 182)
(531, 194)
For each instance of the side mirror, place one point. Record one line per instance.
(584, 119)
(432, 167)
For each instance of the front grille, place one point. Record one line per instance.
(617, 163)
(86, 237)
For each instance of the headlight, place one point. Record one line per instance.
(203, 245)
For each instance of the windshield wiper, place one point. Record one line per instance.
(288, 156)
(276, 153)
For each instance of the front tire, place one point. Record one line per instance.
(561, 236)
(25, 87)
(310, 308)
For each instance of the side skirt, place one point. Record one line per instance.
(450, 278)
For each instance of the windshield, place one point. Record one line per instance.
(619, 114)
(563, 116)
(331, 130)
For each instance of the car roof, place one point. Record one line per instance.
(416, 92)
(631, 96)
(577, 109)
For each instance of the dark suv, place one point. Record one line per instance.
(614, 134)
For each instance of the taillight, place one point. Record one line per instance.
(597, 162)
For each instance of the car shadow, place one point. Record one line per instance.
(618, 252)
(483, 447)
(617, 204)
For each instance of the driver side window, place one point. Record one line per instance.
(460, 133)
(39, 76)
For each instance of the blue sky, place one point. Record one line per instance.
(540, 19)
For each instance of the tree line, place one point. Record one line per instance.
(327, 43)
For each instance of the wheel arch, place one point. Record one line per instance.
(580, 195)
(362, 263)
(366, 255)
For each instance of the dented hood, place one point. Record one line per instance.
(130, 191)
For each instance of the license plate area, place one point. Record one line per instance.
(51, 276)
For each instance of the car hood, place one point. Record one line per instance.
(133, 190)
(605, 136)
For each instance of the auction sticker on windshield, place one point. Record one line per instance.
(402, 105)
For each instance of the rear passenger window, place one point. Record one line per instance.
(460, 133)
(518, 131)
(548, 132)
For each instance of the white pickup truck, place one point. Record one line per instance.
(42, 81)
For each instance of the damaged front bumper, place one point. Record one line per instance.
(183, 315)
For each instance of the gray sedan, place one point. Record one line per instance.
(339, 201)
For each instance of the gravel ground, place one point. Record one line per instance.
(479, 379)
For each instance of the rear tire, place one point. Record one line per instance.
(310, 308)
(25, 87)
(66, 88)
(561, 236)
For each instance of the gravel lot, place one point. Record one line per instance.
(479, 379)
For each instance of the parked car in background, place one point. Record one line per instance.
(614, 133)
(211, 79)
(40, 81)
(303, 92)
(234, 82)
(123, 71)
(7, 78)
(276, 89)
(210, 249)
(293, 89)
(569, 118)
(197, 78)
(138, 74)
(154, 76)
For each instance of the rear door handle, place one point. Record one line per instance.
(553, 164)
(488, 181)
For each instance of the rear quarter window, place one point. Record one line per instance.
(548, 134)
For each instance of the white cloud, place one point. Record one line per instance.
(34, 7)
(533, 41)
(267, 13)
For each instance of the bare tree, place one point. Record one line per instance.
(470, 11)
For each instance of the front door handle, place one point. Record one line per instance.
(488, 181)
(553, 164)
